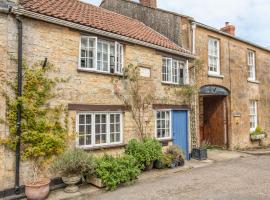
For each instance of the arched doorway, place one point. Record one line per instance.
(214, 115)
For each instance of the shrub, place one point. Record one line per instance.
(116, 170)
(73, 162)
(144, 152)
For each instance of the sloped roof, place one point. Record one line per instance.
(95, 17)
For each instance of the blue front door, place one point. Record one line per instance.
(180, 131)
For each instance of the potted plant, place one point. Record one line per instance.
(200, 153)
(72, 165)
(176, 155)
(42, 134)
(258, 134)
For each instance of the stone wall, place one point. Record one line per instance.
(233, 67)
(61, 46)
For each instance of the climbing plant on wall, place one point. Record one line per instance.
(137, 97)
(43, 132)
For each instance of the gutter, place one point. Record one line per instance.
(21, 11)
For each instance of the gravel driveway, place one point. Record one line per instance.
(239, 179)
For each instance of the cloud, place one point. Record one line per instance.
(251, 17)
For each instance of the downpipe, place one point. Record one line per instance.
(19, 107)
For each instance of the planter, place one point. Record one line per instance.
(38, 191)
(174, 164)
(95, 181)
(71, 182)
(149, 167)
(181, 162)
(257, 137)
(199, 154)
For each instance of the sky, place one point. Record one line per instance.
(251, 17)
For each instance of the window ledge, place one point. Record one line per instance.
(253, 81)
(98, 72)
(215, 75)
(112, 146)
(173, 84)
(165, 142)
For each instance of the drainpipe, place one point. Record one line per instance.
(19, 107)
(193, 26)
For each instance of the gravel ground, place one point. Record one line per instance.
(239, 179)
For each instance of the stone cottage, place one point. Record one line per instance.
(233, 98)
(90, 46)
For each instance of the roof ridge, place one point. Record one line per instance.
(106, 10)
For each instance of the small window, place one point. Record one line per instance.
(251, 65)
(213, 56)
(175, 72)
(101, 55)
(163, 124)
(99, 129)
(253, 115)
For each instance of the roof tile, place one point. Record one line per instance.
(99, 18)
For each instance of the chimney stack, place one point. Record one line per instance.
(149, 3)
(230, 29)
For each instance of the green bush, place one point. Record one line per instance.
(116, 170)
(73, 162)
(144, 152)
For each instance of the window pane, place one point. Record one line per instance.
(81, 140)
(88, 140)
(81, 119)
(81, 130)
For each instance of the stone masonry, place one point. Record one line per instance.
(43, 40)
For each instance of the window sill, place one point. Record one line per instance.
(165, 142)
(173, 84)
(215, 76)
(112, 146)
(253, 81)
(98, 72)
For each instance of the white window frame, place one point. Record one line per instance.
(170, 72)
(93, 139)
(251, 61)
(170, 125)
(217, 56)
(118, 56)
(253, 105)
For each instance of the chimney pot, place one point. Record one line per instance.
(149, 3)
(229, 28)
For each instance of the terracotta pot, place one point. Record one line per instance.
(38, 191)
(71, 182)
